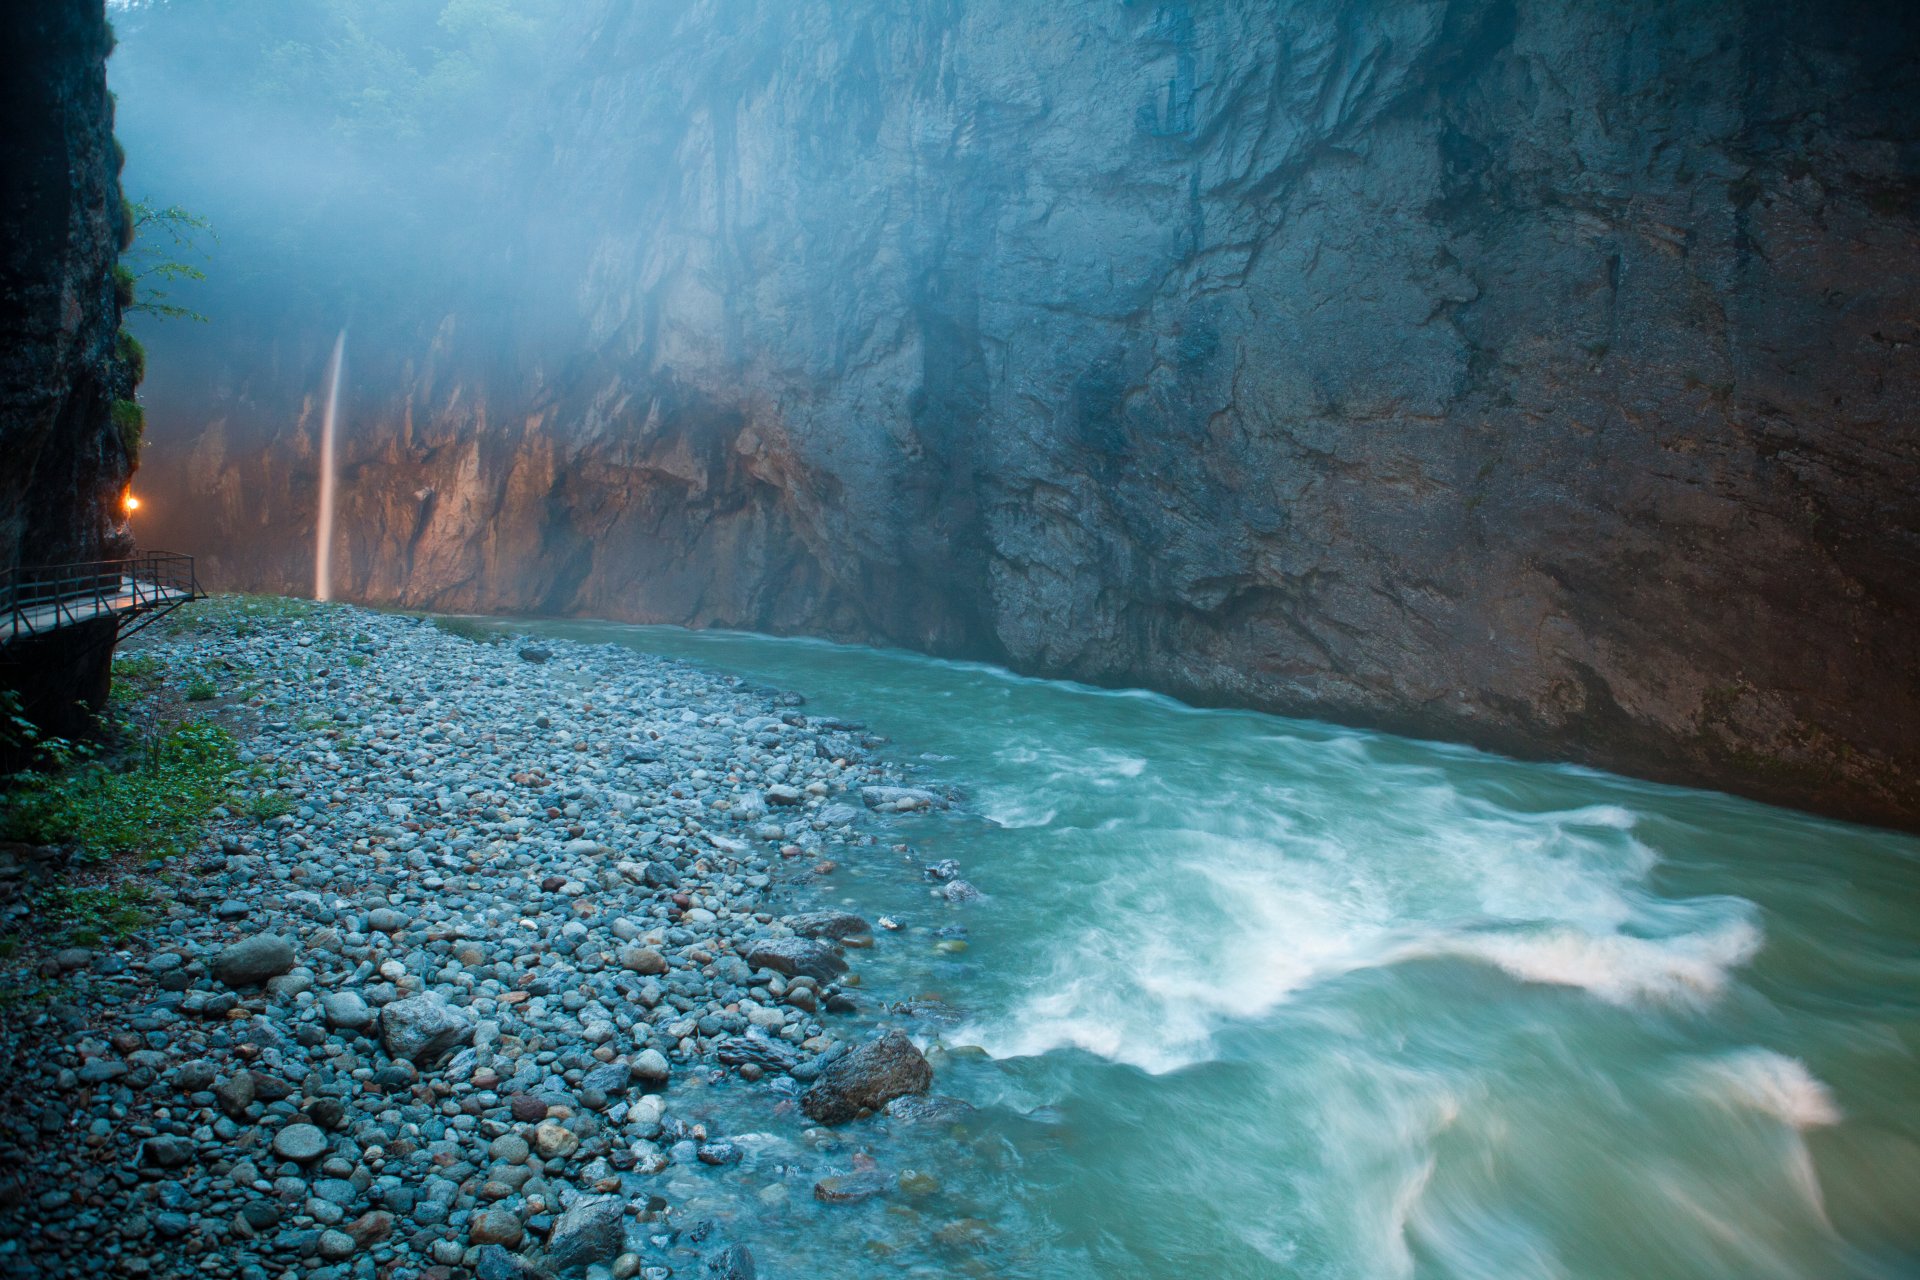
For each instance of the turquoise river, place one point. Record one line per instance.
(1257, 997)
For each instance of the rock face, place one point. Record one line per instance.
(64, 463)
(1534, 375)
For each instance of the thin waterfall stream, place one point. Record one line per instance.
(329, 427)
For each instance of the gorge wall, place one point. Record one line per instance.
(1532, 375)
(69, 425)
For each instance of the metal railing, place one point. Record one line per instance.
(37, 599)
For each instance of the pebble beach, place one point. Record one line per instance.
(430, 997)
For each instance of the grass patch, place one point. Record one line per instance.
(155, 802)
(269, 805)
(93, 915)
(200, 689)
(238, 615)
(142, 668)
(468, 629)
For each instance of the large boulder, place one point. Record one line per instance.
(868, 1079)
(828, 924)
(796, 956)
(593, 1229)
(251, 961)
(423, 1028)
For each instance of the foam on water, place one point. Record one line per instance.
(1618, 968)
(1296, 884)
(1769, 1083)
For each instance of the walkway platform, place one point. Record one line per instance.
(40, 600)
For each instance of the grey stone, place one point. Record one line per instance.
(792, 956)
(593, 1229)
(346, 1011)
(422, 1028)
(650, 1066)
(496, 1226)
(868, 1078)
(735, 1262)
(300, 1143)
(251, 961)
(643, 960)
(828, 924)
(917, 797)
(335, 1246)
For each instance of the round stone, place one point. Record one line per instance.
(300, 1143)
(554, 1141)
(495, 1226)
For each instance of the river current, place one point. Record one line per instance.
(1257, 997)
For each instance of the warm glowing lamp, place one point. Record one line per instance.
(133, 504)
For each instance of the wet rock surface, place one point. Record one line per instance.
(452, 1034)
(867, 1079)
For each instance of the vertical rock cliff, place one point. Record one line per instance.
(1533, 375)
(69, 427)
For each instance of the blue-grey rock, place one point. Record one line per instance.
(251, 961)
(420, 1029)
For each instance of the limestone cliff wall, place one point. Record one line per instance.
(1534, 375)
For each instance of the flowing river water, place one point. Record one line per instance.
(1257, 997)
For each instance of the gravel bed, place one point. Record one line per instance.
(425, 1014)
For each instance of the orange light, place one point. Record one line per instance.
(133, 503)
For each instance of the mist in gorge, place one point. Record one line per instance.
(1271, 640)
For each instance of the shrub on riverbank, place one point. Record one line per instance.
(155, 800)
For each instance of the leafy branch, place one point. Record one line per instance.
(164, 239)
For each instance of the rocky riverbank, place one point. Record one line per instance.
(453, 984)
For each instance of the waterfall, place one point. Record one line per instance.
(323, 537)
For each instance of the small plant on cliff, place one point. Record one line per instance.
(129, 351)
(130, 420)
(200, 689)
(161, 239)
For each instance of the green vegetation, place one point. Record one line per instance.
(130, 420)
(268, 805)
(129, 351)
(141, 667)
(90, 915)
(467, 629)
(154, 803)
(200, 689)
(171, 235)
(238, 615)
(123, 285)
